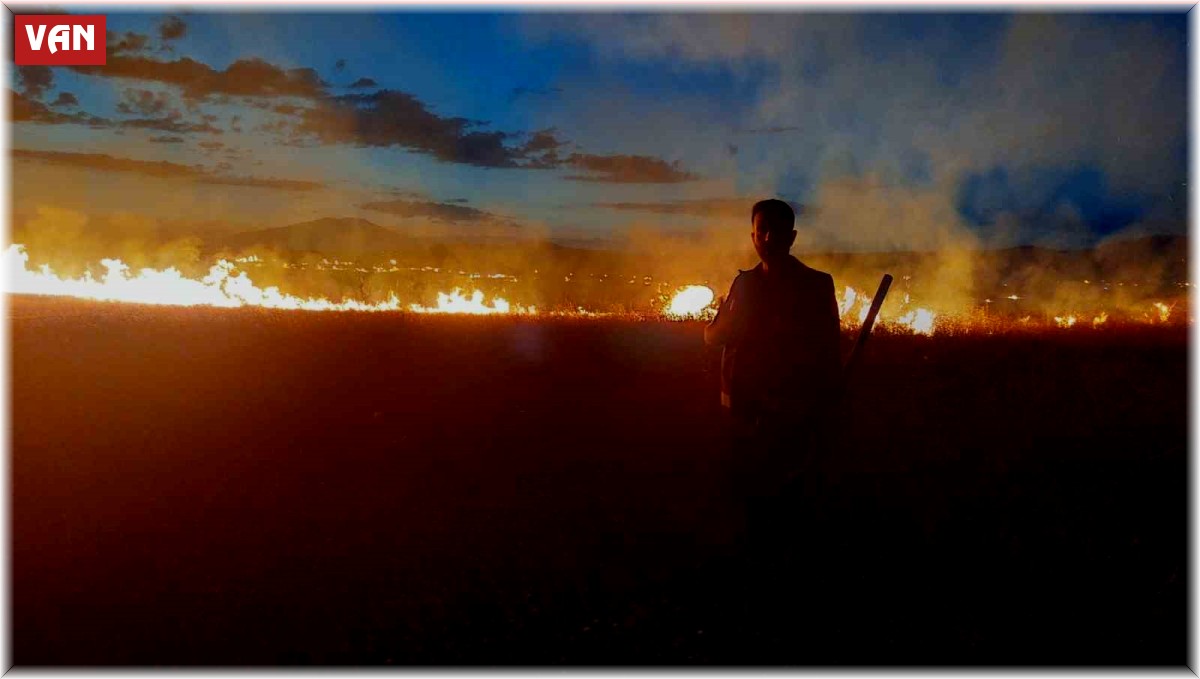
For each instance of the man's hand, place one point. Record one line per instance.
(723, 328)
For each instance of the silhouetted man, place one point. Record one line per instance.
(781, 366)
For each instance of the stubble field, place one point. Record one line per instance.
(228, 487)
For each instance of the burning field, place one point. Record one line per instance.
(257, 484)
(230, 284)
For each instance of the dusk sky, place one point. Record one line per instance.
(894, 131)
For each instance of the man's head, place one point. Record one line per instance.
(774, 229)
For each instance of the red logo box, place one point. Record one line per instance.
(59, 40)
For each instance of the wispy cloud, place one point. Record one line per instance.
(159, 169)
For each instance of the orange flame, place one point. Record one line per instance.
(1064, 321)
(917, 320)
(221, 287)
(455, 303)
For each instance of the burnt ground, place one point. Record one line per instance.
(197, 486)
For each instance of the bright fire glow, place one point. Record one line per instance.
(456, 303)
(690, 302)
(1064, 321)
(919, 321)
(221, 287)
(856, 305)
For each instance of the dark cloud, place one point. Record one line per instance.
(125, 43)
(245, 77)
(35, 80)
(167, 140)
(170, 123)
(384, 118)
(143, 102)
(65, 99)
(627, 169)
(339, 65)
(160, 169)
(26, 110)
(541, 151)
(439, 211)
(211, 145)
(235, 123)
(363, 83)
(391, 118)
(172, 28)
(542, 141)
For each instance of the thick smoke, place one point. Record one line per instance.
(72, 242)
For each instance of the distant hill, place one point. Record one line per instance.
(367, 242)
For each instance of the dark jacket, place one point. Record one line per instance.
(781, 335)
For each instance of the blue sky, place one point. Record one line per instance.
(983, 128)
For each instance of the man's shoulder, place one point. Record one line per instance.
(812, 275)
(747, 276)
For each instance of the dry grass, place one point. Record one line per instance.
(195, 486)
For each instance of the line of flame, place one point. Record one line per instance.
(225, 286)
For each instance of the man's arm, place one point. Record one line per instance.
(724, 328)
(831, 328)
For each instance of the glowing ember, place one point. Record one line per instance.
(1164, 312)
(690, 302)
(1064, 321)
(1100, 320)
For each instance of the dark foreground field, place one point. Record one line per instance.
(252, 487)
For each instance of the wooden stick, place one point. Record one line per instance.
(865, 331)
